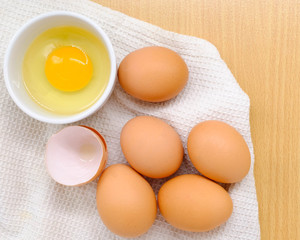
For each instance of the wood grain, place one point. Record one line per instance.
(260, 42)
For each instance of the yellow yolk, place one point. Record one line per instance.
(68, 69)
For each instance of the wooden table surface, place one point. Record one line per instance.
(260, 42)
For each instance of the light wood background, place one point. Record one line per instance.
(260, 42)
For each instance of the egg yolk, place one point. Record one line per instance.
(68, 69)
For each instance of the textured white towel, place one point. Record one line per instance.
(33, 206)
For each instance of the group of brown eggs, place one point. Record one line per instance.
(125, 200)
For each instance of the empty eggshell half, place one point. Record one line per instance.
(75, 155)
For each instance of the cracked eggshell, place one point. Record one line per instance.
(75, 155)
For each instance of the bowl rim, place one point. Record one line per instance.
(68, 118)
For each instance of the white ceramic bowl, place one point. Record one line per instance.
(18, 47)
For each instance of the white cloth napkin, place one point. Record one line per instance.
(33, 206)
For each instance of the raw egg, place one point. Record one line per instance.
(66, 69)
(75, 155)
(151, 146)
(193, 203)
(125, 200)
(219, 152)
(153, 74)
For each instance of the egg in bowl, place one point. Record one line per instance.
(66, 69)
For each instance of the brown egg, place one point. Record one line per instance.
(125, 200)
(219, 152)
(153, 74)
(151, 146)
(193, 203)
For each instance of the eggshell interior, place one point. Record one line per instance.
(75, 155)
